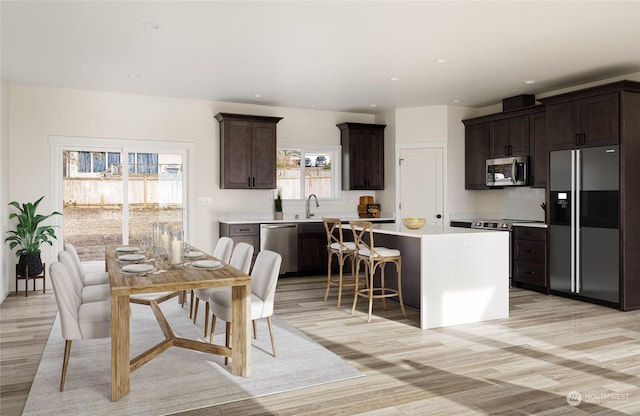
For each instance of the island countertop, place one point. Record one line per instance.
(401, 230)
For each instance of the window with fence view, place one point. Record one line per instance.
(301, 173)
(95, 209)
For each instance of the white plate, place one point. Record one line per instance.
(206, 264)
(131, 257)
(193, 254)
(137, 268)
(127, 249)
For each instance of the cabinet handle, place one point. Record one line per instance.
(254, 181)
(577, 139)
(584, 138)
(248, 182)
(532, 273)
(506, 150)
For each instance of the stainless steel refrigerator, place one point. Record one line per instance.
(584, 235)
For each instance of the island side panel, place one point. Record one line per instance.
(410, 250)
(465, 278)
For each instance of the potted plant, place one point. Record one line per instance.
(277, 205)
(29, 235)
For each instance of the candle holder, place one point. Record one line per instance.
(176, 253)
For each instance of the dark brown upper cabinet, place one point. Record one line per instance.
(510, 137)
(510, 133)
(247, 151)
(586, 122)
(362, 156)
(476, 153)
(539, 152)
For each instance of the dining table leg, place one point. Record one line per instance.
(120, 339)
(240, 330)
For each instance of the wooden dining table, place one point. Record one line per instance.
(169, 283)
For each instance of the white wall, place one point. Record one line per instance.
(387, 197)
(37, 113)
(6, 256)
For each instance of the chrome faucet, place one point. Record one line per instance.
(308, 207)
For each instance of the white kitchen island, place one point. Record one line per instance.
(457, 276)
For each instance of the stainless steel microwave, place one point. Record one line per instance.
(508, 171)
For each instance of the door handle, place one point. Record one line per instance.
(438, 216)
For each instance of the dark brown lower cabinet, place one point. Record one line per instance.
(312, 249)
(530, 258)
(243, 233)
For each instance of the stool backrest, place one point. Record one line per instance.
(363, 236)
(334, 232)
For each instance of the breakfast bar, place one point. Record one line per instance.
(453, 276)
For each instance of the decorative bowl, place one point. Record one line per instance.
(413, 223)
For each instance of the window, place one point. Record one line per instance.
(107, 199)
(303, 170)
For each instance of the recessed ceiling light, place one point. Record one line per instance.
(134, 75)
(530, 81)
(257, 95)
(442, 61)
(394, 79)
(373, 105)
(457, 101)
(151, 25)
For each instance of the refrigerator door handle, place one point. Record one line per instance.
(573, 221)
(578, 227)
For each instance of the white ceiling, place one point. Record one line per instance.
(327, 55)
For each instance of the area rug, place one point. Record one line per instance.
(179, 379)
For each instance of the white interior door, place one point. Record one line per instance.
(421, 185)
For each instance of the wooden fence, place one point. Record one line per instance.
(104, 192)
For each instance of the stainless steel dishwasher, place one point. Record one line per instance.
(283, 239)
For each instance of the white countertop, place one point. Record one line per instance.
(267, 220)
(401, 230)
(530, 224)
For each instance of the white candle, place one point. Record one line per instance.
(165, 242)
(176, 252)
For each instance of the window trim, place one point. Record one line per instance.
(336, 166)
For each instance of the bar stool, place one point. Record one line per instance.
(342, 250)
(374, 258)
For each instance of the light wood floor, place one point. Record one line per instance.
(523, 365)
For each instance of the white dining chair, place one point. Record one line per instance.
(241, 260)
(93, 274)
(78, 319)
(222, 252)
(264, 279)
(92, 293)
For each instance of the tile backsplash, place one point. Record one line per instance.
(524, 203)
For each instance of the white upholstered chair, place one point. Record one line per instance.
(374, 258)
(92, 293)
(79, 320)
(241, 260)
(264, 279)
(342, 250)
(91, 274)
(222, 252)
